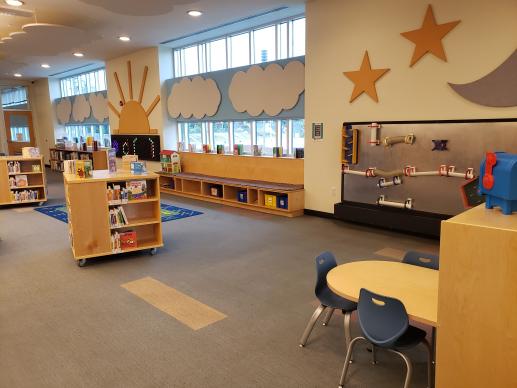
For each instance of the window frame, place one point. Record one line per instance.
(178, 57)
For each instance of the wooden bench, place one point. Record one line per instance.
(199, 186)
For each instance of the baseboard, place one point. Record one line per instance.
(317, 213)
(402, 220)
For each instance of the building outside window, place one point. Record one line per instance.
(93, 81)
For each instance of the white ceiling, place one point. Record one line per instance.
(92, 27)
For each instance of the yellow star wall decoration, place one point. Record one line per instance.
(428, 38)
(365, 78)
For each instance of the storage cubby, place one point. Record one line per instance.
(251, 197)
(192, 187)
(167, 182)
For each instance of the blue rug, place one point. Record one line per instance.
(169, 212)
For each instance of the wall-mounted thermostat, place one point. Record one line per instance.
(317, 131)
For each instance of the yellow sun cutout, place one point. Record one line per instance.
(133, 118)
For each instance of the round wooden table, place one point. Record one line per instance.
(414, 286)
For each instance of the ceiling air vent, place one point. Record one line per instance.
(24, 13)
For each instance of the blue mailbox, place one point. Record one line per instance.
(498, 181)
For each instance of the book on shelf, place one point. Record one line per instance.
(36, 168)
(137, 190)
(24, 195)
(117, 194)
(30, 152)
(118, 217)
(123, 240)
(21, 181)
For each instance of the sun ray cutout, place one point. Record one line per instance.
(133, 117)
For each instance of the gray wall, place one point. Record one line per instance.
(467, 145)
(226, 111)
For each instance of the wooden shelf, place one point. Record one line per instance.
(37, 179)
(90, 229)
(139, 222)
(26, 187)
(25, 173)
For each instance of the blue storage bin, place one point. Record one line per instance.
(242, 196)
(281, 202)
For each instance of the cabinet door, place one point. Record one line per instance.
(89, 218)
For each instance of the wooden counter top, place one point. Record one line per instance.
(106, 176)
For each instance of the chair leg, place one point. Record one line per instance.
(328, 316)
(374, 355)
(311, 324)
(408, 365)
(348, 332)
(347, 360)
(430, 369)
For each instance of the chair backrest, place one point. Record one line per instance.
(422, 259)
(382, 319)
(324, 263)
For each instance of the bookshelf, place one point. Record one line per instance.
(25, 184)
(91, 203)
(227, 191)
(58, 155)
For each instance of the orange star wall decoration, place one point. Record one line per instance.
(365, 78)
(428, 38)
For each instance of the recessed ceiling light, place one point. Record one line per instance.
(45, 65)
(78, 54)
(18, 75)
(124, 38)
(14, 3)
(194, 13)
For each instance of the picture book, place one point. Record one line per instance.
(128, 240)
(21, 181)
(137, 189)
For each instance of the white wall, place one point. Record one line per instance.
(46, 128)
(338, 33)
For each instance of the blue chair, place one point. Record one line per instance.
(324, 263)
(385, 324)
(422, 259)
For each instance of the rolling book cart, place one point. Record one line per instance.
(22, 180)
(113, 213)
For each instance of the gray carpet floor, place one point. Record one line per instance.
(65, 326)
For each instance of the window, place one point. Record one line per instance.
(15, 98)
(221, 133)
(20, 134)
(79, 133)
(288, 134)
(90, 82)
(282, 40)
(239, 50)
(216, 55)
(266, 136)
(242, 134)
(264, 45)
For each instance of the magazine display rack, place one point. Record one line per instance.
(113, 213)
(22, 180)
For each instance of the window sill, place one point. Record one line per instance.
(243, 156)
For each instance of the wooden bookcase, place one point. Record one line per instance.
(200, 189)
(58, 155)
(88, 214)
(36, 179)
(477, 308)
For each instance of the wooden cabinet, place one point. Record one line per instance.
(89, 214)
(477, 309)
(32, 172)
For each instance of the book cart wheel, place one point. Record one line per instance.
(81, 263)
(153, 251)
